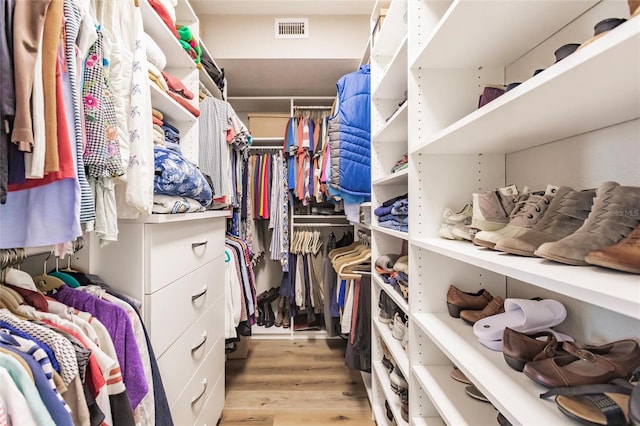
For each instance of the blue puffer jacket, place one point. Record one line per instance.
(350, 138)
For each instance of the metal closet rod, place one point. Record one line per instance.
(320, 225)
(310, 107)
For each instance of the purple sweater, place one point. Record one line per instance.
(117, 323)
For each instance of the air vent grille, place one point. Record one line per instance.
(292, 27)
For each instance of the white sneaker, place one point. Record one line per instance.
(398, 382)
(455, 225)
(399, 327)
(405, 338)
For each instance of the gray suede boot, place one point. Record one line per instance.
(614, 216)
(492, 210)
(530, 212)
(566, 213)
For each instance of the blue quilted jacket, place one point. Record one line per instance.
(350, 138)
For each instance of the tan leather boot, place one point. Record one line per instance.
(624, 256)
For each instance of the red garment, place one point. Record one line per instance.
(175, 85)
(32, 298)
(182, 101)
(164, 15)
(67, 168)
(156, 120)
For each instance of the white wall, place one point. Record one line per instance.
(252, 36)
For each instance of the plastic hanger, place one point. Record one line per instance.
(66, 278)
(46, 283)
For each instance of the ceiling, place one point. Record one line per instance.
(290, 76)
(287, 7)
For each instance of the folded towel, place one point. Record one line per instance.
(155, 55)
(156, 120)
(175, 85)
(162, 12)
(182, 101)
(156, 113)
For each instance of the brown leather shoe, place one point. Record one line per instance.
(623, 256)
(457, 300)
(496, 306)
(520, 348)
(598, 364)
(634, 7)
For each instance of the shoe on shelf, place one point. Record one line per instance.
(398, 382)
(459, 376)
(528, 212)
(389, 412)
(495, 306)
(384, 316)
(458, 300)
(623, 256)
(491, 210)
(405, 337)
(614, 215)
(566, 213)
(280, 314)
(521, 348)
(586, 365)
(455, 225)
(404, 405)
(475, 393)
(399, 327)
(286, 316)
(634, 9)
(269, 316)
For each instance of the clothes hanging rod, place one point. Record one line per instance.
(312, 107)
(321, 225)
(266, 148)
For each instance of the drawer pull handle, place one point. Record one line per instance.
(195, 297)
(196, 245)
(199, 345)
(204, 389)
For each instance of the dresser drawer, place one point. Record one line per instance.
(170, 311)
(191, 348)
(212, 410)
(206, 381)
(175, 249)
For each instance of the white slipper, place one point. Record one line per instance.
(523, 315)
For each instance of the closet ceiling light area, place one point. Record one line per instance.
(242, 37)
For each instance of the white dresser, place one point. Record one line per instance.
(174, 264)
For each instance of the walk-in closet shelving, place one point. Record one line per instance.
(389, 117)
(576, 123)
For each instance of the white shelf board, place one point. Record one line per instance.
(156, 28)
(398, 178)
(393, 399)
(396, 349)
(379, 415)
(450, 399)
(393, 233)
(396, 129)
(523, 23)
(581, 93)
(394, 81)
(427, 421)
(178, 217)
(393, 30)
(171, 110)
(393, 294)
(366, 381)
(511, 392)
(360, 225)
(590, 284)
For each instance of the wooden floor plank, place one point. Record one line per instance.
(299, 382)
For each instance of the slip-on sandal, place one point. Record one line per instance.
(600, 404)
(475, 393)
(523, 315)
(459, 376)
(585, 366)
(521, 348)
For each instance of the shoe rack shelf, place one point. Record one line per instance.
(589, 283)
(511, 392)
(393, 399)
(455, 406)
(576, 123)
(389, 130)
(395, 296)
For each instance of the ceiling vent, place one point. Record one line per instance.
(292, 27)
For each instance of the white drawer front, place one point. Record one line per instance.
(170, 311)
(207, 380)
(212, 410)
(175, 249)
(180, 362)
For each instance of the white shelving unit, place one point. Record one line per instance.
(389, 130)
(577, 123)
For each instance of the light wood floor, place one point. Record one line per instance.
(294, 383)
